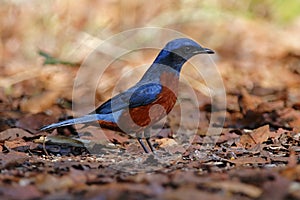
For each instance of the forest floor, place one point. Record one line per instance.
(253, 154)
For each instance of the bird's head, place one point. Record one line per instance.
(178, 51)
(186, 48)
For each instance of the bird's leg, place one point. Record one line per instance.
(142, 144)
(139, 138)
(147, 136)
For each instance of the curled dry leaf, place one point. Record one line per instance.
(257, 136)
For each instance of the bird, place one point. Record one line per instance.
(135, 110)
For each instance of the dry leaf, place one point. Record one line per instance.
(257, 136)
(237, 187)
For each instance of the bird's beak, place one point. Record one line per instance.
(204, 51)
(208, 51)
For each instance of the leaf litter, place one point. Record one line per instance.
(256, 156)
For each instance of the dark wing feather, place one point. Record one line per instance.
(136, 96)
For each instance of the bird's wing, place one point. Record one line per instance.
(145, 95)
(133, 97)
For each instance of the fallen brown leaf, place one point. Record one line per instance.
(189, 192)
(257, 136)
(13, 133)
(12, 159)
(236, 187)
(20, 192)
(249, 160)
(34, 122)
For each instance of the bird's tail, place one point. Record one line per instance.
(80, 120)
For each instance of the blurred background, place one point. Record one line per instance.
(43, 45)
(257, 44)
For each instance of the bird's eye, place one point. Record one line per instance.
(187, 49)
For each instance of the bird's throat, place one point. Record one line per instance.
(170, 59)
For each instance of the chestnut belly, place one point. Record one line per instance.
(136, 119)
